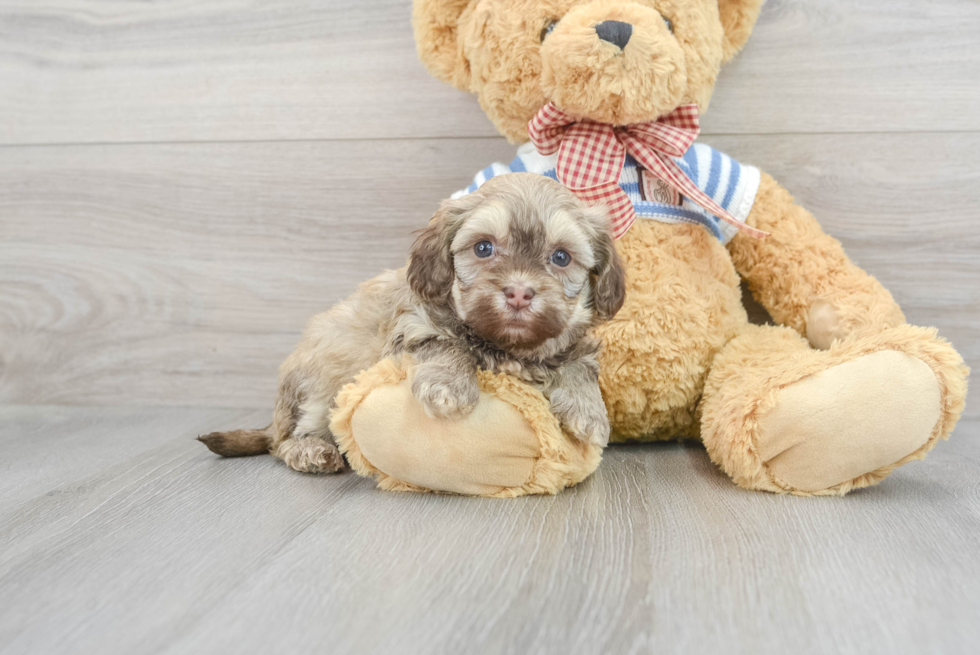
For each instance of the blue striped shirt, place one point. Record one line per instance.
(729, 183)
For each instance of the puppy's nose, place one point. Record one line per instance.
(518, 296)
(614, 31)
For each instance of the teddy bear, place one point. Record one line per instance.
(605, 95)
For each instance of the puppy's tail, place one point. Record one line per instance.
(239, 443)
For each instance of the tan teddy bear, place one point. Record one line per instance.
(834, 398)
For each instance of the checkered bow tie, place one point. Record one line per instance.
(591, 156)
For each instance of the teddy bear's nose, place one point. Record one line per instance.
(615, 31)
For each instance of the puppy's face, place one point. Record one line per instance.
(522, 262)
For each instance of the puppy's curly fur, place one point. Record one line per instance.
(453, 309)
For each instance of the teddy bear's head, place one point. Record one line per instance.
(613, 61)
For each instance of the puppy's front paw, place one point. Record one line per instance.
(584, 418)
(445, 392)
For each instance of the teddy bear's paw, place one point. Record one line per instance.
(827, 322)
(584, 419)
(823, 325)
(444, 392)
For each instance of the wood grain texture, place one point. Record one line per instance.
(182, 274)
(110, 71)
(143, 549)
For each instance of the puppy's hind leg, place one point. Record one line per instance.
(306, 454)
(310, 455)
(304, 442)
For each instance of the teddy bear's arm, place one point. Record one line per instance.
(802, 276)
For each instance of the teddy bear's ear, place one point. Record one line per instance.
(436, 24)
(738, 18)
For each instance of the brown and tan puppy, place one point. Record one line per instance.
(510, 278)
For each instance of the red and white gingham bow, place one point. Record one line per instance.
(591, 156)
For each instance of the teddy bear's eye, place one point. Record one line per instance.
(548, 29)
(670, 25)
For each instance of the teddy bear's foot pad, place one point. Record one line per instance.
(397, 436)
(510, 445)
(849, 420)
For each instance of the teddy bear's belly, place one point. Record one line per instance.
(683, 304)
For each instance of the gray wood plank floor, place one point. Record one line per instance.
(182, 184)
(118, 534)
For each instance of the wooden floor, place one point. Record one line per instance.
(118, 535)
(182, 184)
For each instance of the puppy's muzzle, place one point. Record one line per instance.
(518, 296)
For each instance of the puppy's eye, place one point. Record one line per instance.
(670, 25)
(483, 249)
(548, 29)
(561, 258)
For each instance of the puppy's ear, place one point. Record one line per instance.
(430, 267)
(610, 275)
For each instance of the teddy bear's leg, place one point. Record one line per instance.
(778, 415)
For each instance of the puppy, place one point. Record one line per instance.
(509, 278)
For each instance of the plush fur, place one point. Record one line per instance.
(680, 358)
